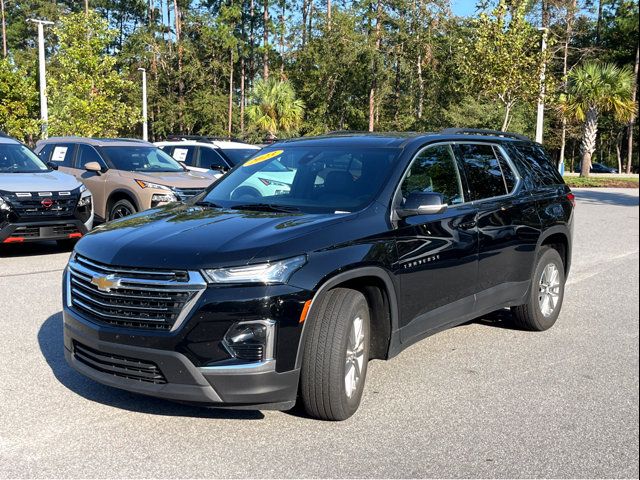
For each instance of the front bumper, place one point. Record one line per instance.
(187, 365)
(34, 231)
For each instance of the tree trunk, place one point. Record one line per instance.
(242, 95)
(310, 25)
(329, 14)
(86, 7)
(176, 17)
(230, 118)
(599, 23)
(265, 40)
(304, 22)
(571, 9)
(507, 116)
(282, 29)
(4, 31)
(633, 119)
(374, 72)
(252, 26)
(589, 135)
(619, 151)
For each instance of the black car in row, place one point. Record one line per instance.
(381, 240)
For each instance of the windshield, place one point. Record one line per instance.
(239, 155)
(141, 159)
(308, 179)
(15, 158)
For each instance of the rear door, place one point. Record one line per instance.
(210, 159)
(437, 253)
(508, 223)
(95, 182)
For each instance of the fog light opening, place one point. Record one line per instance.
(251, 341)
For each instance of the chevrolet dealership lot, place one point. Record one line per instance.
(480, 400)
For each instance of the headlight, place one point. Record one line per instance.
(265, 273)
(3, 204)
(144, 184)
(158, 198)
(83, 188)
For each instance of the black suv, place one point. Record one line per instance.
(380, 240)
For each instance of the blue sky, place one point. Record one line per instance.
(463, 8)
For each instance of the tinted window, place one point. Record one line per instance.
(209, 158)
(62, 154)
(435, 170)
(87, 154)
(15, 158)
(510, 178)
(542, 167)
(186, 154)
(141, 159)
(239, 155)
(484, 173)
(45, 153)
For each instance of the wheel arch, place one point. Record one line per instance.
(120, 194)
(559, 238)
(376, 285)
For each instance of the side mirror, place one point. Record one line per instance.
(52, 165)
(420, 203)
(220, 168)
(93, 167)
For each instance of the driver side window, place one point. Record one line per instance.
(435, 170)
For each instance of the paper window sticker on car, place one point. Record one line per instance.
(263, 158)
(59, 153)
(180, 154)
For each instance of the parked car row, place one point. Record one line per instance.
(41, 200)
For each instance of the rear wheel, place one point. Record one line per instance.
(547, 293)
(120, 209)
(336, 353)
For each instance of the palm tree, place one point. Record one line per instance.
(273, 107)
(594, 89)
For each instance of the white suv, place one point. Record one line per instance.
(207, 153)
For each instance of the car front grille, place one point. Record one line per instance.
(187, 193)
(118, 365)
(132, 297)
(27, 232)
(43, 205)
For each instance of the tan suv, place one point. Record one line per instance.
(124, 176)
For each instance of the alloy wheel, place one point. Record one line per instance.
(354, 357)
(549, 289)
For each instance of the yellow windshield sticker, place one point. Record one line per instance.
(263, 158)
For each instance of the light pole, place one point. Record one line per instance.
(145, 133)
(44, 111)
(540, 117)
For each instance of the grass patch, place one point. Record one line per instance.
(601, 182)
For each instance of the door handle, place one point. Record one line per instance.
(468, 225)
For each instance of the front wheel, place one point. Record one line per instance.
(336, 353)
(120, 209)
(547, 293)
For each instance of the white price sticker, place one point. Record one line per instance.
(180, 154)
(58, 154)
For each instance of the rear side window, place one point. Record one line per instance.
(489, 175)
(536, 159)
(62, 154)
(434, 170)
(186, 154)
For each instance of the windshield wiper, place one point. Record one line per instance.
(266, 207)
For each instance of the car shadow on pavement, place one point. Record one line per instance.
(498, 319)
(621, 199)
(50, 339)
(32, 249)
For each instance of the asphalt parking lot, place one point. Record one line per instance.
(480, 400)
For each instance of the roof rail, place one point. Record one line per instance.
(481, 131)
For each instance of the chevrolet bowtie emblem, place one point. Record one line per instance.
(106, 284)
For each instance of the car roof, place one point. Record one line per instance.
(98, 142)
(8, 141)
(224, 144)
(401, 139)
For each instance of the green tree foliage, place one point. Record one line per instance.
(595, 89)
(274, 109)
(87, 96)
(501, 59)
(18, 103)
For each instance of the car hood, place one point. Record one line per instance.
(193, 237)
(187, 179)
(50, 181)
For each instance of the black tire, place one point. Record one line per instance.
(324, 365)
(120, 209)
(530, 315)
